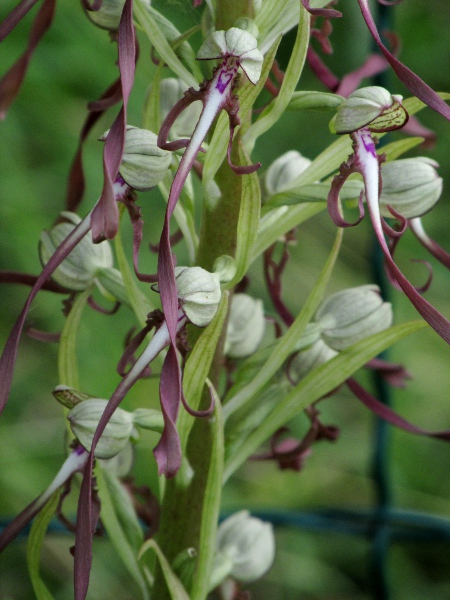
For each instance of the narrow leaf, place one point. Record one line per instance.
(157, 38)
(211, 506)
(197, 368)
(248, 221)
(176, 589)
(67, 351)
(317, 384)
(287, 342)
(294, 69)
(116, 533)
(139, 302)
(276, 223)
(34, 546)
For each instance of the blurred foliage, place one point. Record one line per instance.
(74, 64)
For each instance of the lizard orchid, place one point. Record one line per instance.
(367, 111)
(234, 48)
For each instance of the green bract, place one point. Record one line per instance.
(411, 186)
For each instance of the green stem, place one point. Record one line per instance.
(185, 511)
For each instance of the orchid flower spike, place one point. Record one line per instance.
(235, 48)
(366, 111)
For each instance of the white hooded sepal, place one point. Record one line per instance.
(373, 107)
(246, 326)
(411, 186)
(238, 43)
(199, 294)
(351, 315)
(245, 543)
(84, 418)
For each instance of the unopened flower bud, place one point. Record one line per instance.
(144, 164)
(84, 418)
(225, 268)
(249, 25)
(199, 294)
(283, 170)
(245, 327)
(246, 545)
(411, 186)
(373, 107)
(352, 315)
(238, 43)
(309, 359)
(78, 270)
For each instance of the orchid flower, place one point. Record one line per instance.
(368, 111)
(235, 48)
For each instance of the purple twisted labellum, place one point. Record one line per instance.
(433, 248)
(329, 13)
(76, 183)
(12, 80)
(105, 216)
(387, 414)
(14, 17)
(395, 374)
(25, 279)
(8, 358)
(368, 162)
(84, 528)
(333, 201)
(137, 224)
(215, 97)
(73, 463)
(414, 83)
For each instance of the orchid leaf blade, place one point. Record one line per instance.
(317, 384)
(139, 302)
(287, 342)
(157, 38)
(67, 353)
(35, 540)
(174, 585)
(197, 367)
(276, 223)
(313, 192)
(293, 72)
(117, 534)
(248, 222)
(211, 505)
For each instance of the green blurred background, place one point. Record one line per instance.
(74, 64)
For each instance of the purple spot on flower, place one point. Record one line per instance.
(368, 142)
